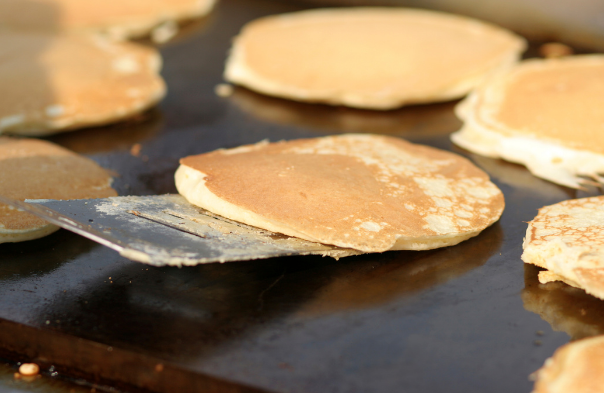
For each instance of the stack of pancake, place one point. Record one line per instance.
(545, 114)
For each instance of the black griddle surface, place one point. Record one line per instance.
(468, 318)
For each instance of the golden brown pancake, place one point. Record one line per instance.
(545, 114)
(35, 169)
(116, 18)
(57, 83)
(577, 367)
(367, 192)
(375, 58)
(567, 239)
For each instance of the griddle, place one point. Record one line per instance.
(467, 318)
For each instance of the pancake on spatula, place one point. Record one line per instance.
(375, 58)
(116, 18)
(577, 367)
(366, 192)
(55, 83)
(567, 239)
(545, 114)
(35, 169)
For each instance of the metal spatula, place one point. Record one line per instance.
(167, 230)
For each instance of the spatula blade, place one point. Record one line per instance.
(167, 230)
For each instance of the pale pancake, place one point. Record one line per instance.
(545, 114)
(577, 367)
(376, 58)
(367, 192)
(567, 239)
(116, 18)
(57, 83)
(35, 169)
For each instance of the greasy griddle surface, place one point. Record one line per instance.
(449, 320)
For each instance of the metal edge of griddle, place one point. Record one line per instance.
(101, 365)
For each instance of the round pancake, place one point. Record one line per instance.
(375, 58)
(577, 367)
(116, 18)
(367, 192)
(35, 169)
(567, 239)
(58, 83)
(545, 114)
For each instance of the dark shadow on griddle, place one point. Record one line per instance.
(377, 284)
(565, 308)
(41, 256)
(110, 138)
(181, 314)
(417, 120)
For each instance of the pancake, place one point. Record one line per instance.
(375, 58)
(567, 239)
(576, 367)
(35, 169)
(366, 192)
(116, 18)
(545, 114)
(58, 83)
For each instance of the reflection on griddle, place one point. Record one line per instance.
(184, 313)
(41, 256)
(119, 136)
(425, 120)
(376, 284)
(565, 308)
